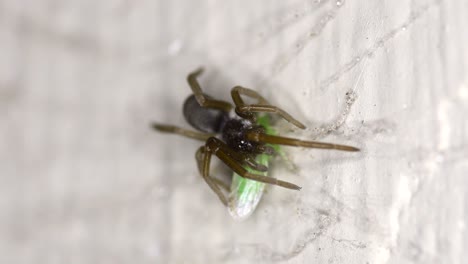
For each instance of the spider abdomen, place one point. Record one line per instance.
(209, 120)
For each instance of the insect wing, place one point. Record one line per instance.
(246, 194)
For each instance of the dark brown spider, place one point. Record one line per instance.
(241, 139)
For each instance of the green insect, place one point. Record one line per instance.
(245, 142)
(245, 194)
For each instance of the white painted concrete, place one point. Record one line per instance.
(84, 179)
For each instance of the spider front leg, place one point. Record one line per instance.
(262, 106)
(225, 154)
(203, 99)
(294, 142)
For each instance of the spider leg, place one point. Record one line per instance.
(199, 158)
(203, 157)
(181, 131)
(260, 137)
(203, 99)
(238, 90)
(223, 152)
(248, 160)
(268, 150)
(262, 106)
(221, 184)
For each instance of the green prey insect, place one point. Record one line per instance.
(244, 141)
(245, 194)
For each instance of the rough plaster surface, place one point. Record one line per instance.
(84, 180)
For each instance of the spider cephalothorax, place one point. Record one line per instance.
(234, 133)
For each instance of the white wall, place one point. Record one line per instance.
(84, 179)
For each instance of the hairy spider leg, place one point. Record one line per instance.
(248, 160)
(238, 90)
(260, 137)
(224, 153)
(181, 131)
(199, 158)
(202, 99)
(221, 184)
(252, 163)
(203, 157)
(262, 106)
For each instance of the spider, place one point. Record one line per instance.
(240, 139)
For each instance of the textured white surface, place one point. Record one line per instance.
(84, 180)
